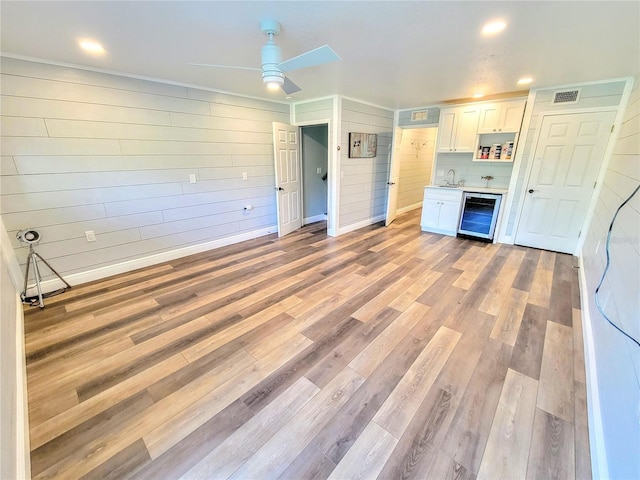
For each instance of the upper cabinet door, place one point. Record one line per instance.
(458, 128)
(489, 118)
(446, 130)
(467, 129)
(501, 117)
(512, 113)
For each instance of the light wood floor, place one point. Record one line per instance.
(385, 353)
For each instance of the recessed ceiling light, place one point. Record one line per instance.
(91, 47)
(525, 81)
(478, 95)
(494, 27)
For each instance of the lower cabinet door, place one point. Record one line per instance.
(449, 213)
(430, 213)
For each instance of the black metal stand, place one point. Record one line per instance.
(33, 258)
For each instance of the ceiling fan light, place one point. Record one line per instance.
(273, 79)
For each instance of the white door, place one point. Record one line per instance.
(394, 177)
(565, 167)
(467, 129)
(286, 148)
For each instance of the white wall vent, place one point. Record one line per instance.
(566, 96)
(419, 115)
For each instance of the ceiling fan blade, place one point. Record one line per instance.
(223, 66)
(311, 58)
(289, 87)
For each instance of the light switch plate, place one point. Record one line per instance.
(192, 178)
(244, 175)
(319, 170)
(90, 236)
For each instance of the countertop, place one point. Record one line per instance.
(467, 188)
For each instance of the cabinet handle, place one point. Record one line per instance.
(499, 129)
(494, 129)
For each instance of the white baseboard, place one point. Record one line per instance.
(599, 466)
(314, 219)
(129, 265)
(363, 223)
(409, 208)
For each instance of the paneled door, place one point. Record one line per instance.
(566, 162)
(286, 147)
(394, 178)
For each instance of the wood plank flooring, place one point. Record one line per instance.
(386, 353)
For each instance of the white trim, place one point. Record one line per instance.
(409, 208)
(333, 186)
(363, 223)
(137, 77)
(312, 100)
(517, 163)
(129, 265)
(367, 103)
(23, 459)
(599, 464)
(314, 219)
(10, 259)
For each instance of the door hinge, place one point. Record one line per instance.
(579, 233)
(612, 128)
(595, 183)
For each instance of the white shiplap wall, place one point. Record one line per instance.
(363, 187)
(616, 359)
(84, 150)
(416, 161)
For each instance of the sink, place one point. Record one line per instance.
(449, 186)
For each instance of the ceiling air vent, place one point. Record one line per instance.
(567, 96)
(419, 115)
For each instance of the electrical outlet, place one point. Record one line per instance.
(90, 236)
(244, 175)
(319, 170)
(192, 178)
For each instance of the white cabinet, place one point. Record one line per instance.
(441, 210)
(458, 128)
(501, 117)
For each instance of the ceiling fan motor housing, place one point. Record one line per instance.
(271, 58)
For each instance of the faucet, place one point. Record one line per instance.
(451, 173)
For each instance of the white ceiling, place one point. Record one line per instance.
(397, 54)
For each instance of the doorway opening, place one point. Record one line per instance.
(411, 168)
(314, 143)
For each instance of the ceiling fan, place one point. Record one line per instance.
(273, 68)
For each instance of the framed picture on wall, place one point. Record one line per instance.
(362, 145)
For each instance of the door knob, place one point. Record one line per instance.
(280, 189)
(391, 183)
(531, 190)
